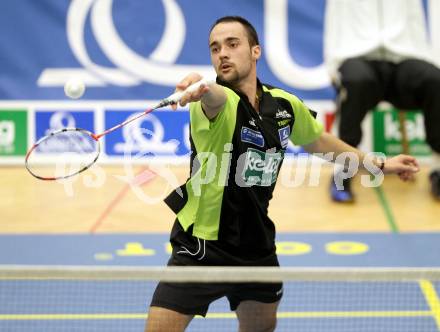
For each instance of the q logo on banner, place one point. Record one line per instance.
(131, 68)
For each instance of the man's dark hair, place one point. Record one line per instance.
(251, 32)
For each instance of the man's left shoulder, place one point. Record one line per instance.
(294, 100)
(280, 92)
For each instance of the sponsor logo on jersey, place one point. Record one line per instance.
(261, 168)
(282, 123)
(252, 136)
(252, 122)
(284, 134)
(282, 114)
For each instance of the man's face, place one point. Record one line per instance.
(231, 54)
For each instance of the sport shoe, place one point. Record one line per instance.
(434, 178)
(344, 195)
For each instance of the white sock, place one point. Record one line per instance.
(435, 166)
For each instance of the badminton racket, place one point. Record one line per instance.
(69, 151)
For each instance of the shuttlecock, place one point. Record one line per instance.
(74, 88)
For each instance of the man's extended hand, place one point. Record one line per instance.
(190, 96)
(403, 165)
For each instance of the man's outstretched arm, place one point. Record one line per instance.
(212, 96)
(403, 165)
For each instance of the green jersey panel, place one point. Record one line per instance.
(305, 128)
(212, 140)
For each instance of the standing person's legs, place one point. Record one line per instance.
(166, 320)
(255, 305)
(362, 87)
(257, 316)
(174, 305)
(417, 85)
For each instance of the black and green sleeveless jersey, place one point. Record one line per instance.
(235, 161)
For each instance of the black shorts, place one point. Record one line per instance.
(195, 298)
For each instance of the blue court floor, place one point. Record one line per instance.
(121, 305)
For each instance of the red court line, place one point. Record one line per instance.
(139, 180)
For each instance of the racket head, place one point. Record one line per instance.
(62, 154)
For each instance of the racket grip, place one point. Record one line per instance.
(175, 97)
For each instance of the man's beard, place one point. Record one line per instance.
(232, 80)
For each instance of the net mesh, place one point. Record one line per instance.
(117, 298)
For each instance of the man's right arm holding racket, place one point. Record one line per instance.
(213, 97)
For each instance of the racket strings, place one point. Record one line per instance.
(70, 141)
(63, 154)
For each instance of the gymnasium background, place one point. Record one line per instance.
(131, 53)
